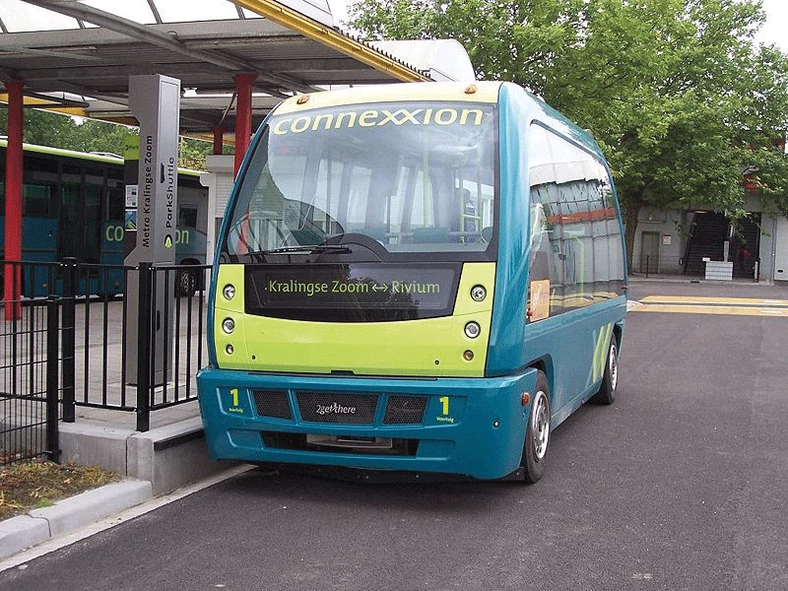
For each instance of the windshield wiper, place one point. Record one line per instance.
(308, 249)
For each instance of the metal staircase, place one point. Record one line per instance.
(708, 234)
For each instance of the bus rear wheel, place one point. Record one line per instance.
(185, 283)
(607, 390)
(537, 433)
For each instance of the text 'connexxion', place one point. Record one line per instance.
(377, 118)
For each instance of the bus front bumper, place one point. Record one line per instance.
(470, 427)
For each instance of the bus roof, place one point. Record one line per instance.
(93, 157)
(476, 92)
(104, 157)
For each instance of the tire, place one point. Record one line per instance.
(537, 434)
(185, 283)
(607, 390)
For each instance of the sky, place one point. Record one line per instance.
(776, 28)
(774, 31)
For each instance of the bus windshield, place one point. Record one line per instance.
(405, 181)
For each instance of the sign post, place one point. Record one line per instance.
(155, 102)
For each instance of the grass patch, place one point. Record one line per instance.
(33, 484)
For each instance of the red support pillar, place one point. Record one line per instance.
(243, 115)
(218, 139)
(13, 199)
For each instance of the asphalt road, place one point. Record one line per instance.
(681, 484)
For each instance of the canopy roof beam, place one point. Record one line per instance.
(151, 36)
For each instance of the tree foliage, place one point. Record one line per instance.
(676, 92)
(45, 128)
(192, 153)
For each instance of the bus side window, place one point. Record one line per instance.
(575, 186)
(187, 216)
(601, 234)
(546, 246)
(116, 200)
(613, 235)
(39, 192)
(547, 258)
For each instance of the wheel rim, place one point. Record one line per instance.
(612, 366)
(540, 425)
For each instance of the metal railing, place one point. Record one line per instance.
(67, 340)
(651, 265)
(29, 390)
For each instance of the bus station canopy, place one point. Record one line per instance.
(78, 54)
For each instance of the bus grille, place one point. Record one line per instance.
(298, 442)
(327, 407)
(272, 404)
(405, 410)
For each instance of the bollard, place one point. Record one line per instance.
(69, 337)
(53, 432)
(144, 338)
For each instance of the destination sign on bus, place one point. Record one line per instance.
(353, 285)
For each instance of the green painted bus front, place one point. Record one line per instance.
(476, 390)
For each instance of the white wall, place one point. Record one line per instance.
(219, 180)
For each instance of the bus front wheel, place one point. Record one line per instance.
(607, 390)
(537, 433)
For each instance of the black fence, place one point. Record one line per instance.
(657, 265)
(28, 382)
(72, 337)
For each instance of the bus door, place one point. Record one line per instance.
(111, 278)
(79, 221)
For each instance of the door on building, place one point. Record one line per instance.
(781, 250)
(649, 252)
(745, 246)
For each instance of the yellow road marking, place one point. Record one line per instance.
(717, 310)
(657, 299)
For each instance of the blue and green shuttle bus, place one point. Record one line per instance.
(417, 277)
(73, 205)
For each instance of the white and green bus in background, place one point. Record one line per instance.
(73, 206)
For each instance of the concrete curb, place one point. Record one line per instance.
(40, 525)
(168, 457)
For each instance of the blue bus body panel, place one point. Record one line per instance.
(508, 320)
(465, 441)
(565, 344)
(39, 237)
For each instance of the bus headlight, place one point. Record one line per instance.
(229, 349)
(228, 325)
(478, 293)
(228, 291)
(472, 330)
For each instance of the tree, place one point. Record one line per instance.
(192, 152)
(676, 92)
(46, 128)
